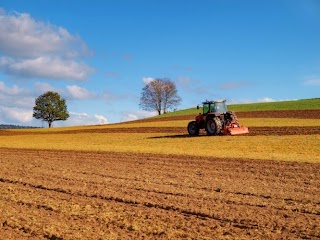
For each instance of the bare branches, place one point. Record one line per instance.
(159, 95)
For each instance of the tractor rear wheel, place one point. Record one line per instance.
(193, 128)
(213, 126)
(234, 117)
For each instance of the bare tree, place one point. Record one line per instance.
(159, 95)
(169, 95)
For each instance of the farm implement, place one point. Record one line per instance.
(216, 120)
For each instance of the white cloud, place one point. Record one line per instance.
(23, 116)
(266, 99)
(32, 48)
(14, 90)
(80, 119)
(15, 96)
(131, 116)
(46, 67)
(101, 119)
(15, 114)
(43, 87)
(79, 92)
(23, 36)
(16, 105)
(312, 82)
(147, 80)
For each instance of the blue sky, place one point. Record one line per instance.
(99, 54)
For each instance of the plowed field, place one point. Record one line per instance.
(91, 195)
(88, 192)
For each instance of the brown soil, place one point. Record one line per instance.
(91, 195)
(301, 114)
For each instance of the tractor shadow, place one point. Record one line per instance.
(260, 131)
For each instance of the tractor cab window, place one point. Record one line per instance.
(205, 108)
(219, 107)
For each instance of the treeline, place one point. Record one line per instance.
(10, 126)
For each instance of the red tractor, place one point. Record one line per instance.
(216, 120)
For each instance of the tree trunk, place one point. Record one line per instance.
(50, 123)
(159, 112)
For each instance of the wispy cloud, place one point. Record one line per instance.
(147, 80)
(78, 119)
(15, 96)
(266, 99)
(42, 87)
(193, 86)
(78, 92)
(259, 100)
(312, 82)
(185, 82)
(30, 48)
(13, 90)
(46, 67)
(234, 85)
(135, 115)
(112, 74)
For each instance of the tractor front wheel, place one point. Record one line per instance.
(213, 126)
(193, 128)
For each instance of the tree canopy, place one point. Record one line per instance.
(50, 107)
(159, 95)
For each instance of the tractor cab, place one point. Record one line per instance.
(214, 107)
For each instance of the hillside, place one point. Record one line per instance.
(303, 104)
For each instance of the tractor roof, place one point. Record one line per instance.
(214, 101)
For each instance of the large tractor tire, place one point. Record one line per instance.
(193, 128)
(213, 126)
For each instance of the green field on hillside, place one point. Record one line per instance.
(303, 104)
